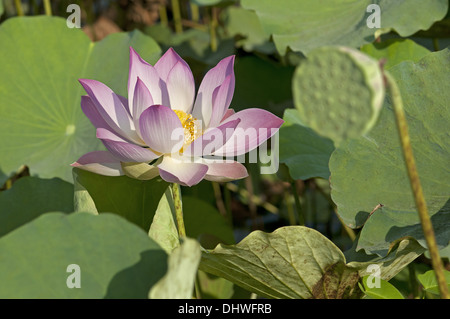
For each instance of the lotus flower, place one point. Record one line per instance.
(162, 123)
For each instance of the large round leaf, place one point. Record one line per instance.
(395, 51)
(305, 152)
(130, 198)
(203, 221)
(178, 283)
(291, 262)
(305, 25)
(41, 122)
(116, 259)
(31, 197)
(371, 170)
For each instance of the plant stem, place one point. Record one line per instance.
(47, 8)
(163, 15)
(195, 12)
(298, 206)
(435, 44)
(227, 199)
(176, 193)
(413, 280)
(212, 29)
(419, 199)
(290, 209)
(251, 204)
(18, 7)
(219, 200)
(177, 16)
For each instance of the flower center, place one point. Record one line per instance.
(192, 128)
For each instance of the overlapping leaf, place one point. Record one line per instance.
(31, 197)
(291, 262)
(116, 259)
(304, 151)
(304, 25)
(370, 170)
(132, 199)
(41, 122)
(395, 51)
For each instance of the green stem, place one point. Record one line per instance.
(436, 44)
(195, 12)
(163, 15)
(422, 209)
(290, 209)
(413, 280)
(227, 199)
(212, 29)
(177, 16)
(47, 8)
(18, 7)
(176, 194)
(219, 200)
(298, 206)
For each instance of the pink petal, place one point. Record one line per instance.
(221, 171)
(203, 106)
(213, 139)
(222, 97)
(161, 129)
(166, 63)
(111, 109)
(90, 110)
(100, 162)
(181, 87)
(255, 128)
(124, 101)
(142, 99)
(227, 114)
(124, 151)
(180, 172)
(148, 74)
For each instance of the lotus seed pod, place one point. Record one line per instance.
(338, 92)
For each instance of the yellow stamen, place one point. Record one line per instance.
(192, 128)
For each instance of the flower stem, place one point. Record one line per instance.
(177, 16)
(18, 7)
(163, 15)
(195, 12)
(178, 209)
(298, 206)
(212, 29)
(425, 220)
(47, 8)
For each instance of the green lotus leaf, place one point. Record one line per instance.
(79, 255)
(291, 262)
(178, 283)
(304, 151)
(383, 290)
(305, 25)
(394, 51)
(41, 121)
(370, 170)
(133, 199)
(31, 197)
(429, 282)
